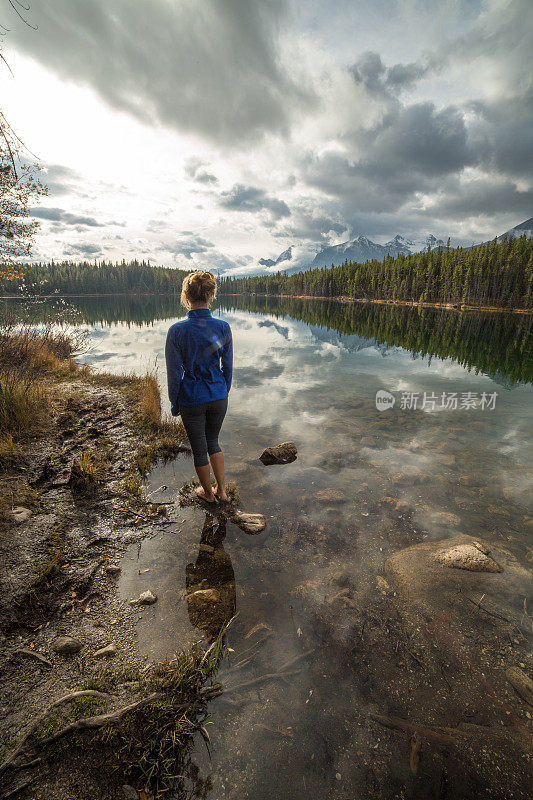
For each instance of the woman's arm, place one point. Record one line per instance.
(174, 371)
(226, 357)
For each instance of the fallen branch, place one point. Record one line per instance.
(397, 723)
(67, 698)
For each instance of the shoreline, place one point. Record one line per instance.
(403, 303)
(72, 504)
(337, 299)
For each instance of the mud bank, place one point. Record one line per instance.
(74, 503)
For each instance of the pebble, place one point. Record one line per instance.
(129, 792)
(147, 598)
(112, 569)
(20, 514)
(107, 652)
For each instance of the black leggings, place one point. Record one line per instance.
(202, 425)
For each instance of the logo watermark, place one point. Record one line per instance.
(429, 401)
(384, 400)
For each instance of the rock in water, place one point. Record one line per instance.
(66, 645)
(145, 599)
(249, 523)
(284, 453)
(521, 682)
(468, 556)
(107, 652)
(204, 596)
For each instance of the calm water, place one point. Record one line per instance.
(309, 591)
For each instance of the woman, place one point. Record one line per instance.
(199, 356)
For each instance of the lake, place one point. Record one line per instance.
(447, 452)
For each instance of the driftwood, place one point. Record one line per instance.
(67, 698)
(397, 723)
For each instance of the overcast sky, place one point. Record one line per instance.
(215, 133)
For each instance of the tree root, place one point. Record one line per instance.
(67, 698)
(93, 723)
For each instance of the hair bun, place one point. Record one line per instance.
(198, 287)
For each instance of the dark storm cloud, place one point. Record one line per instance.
(251, 198)
(65, 217)
(486, 196)
(211, 68)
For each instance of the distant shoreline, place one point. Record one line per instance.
(404, 303)
(338, 299)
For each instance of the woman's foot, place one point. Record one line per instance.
(203, 496)
(220, 494)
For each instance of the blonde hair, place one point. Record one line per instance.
(198, 287)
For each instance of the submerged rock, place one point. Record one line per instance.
(249, 523)
(468, 556)
(66, 645)
(284, 453)
(444, 518)
(329, 496)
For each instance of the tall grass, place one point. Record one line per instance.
(28, 354)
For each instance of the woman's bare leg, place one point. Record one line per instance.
(217, 462)
(206, 492)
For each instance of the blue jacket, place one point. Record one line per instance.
(199, 356)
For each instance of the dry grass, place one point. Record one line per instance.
(88, 471)
(11, 452)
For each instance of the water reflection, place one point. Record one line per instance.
(210, 581)
(497, 344)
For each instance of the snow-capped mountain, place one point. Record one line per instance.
(519, 230)
(364, 249)
(269, 262)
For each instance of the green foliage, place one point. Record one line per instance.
(493, 274)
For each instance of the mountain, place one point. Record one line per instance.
(285, 256)
(363, 249)
(519, 230)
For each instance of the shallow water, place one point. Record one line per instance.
(366, 484)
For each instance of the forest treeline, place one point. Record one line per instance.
(86, 277)
(493, 274)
